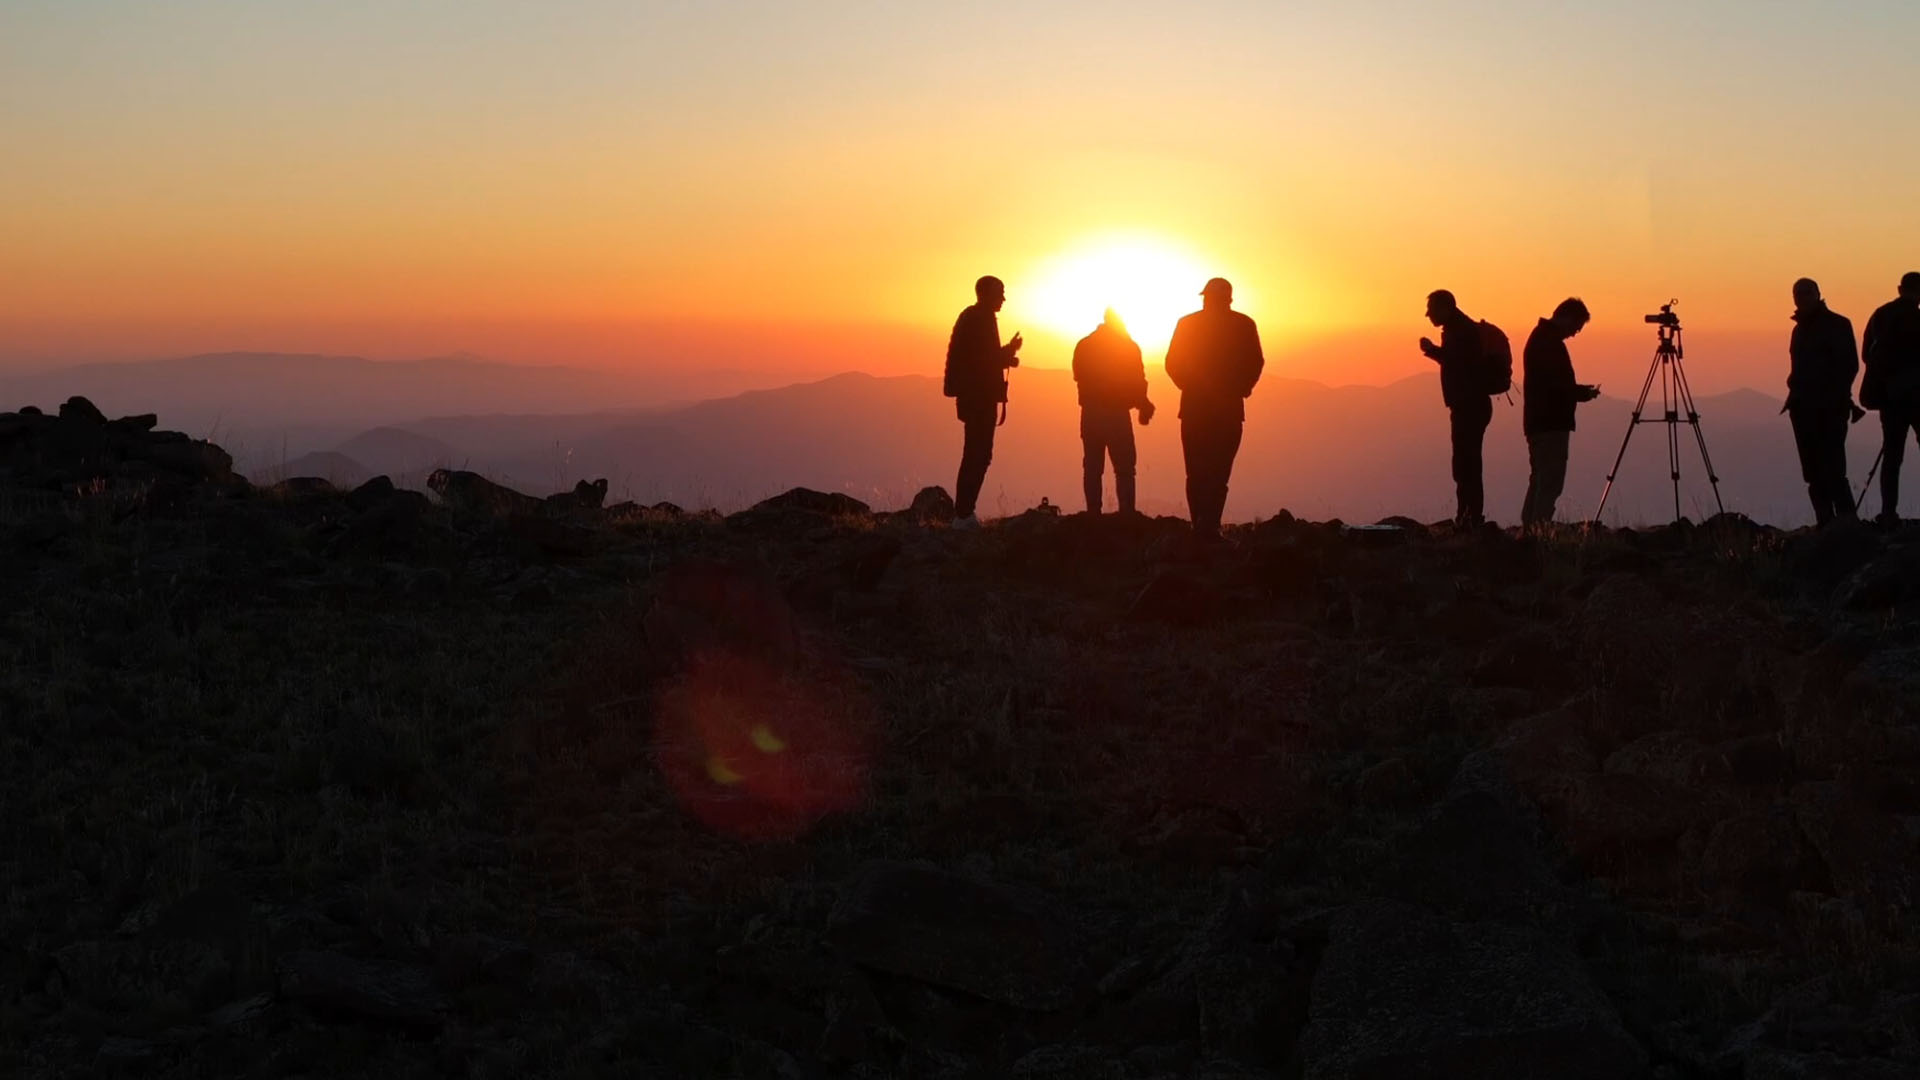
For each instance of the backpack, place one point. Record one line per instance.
(1496, 354)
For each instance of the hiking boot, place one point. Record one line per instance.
(970, 523)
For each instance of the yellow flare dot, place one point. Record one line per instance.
(765, 740)
(718, 771)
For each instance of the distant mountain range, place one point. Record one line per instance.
(1357, 452)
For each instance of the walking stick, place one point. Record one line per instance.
(1864, 488)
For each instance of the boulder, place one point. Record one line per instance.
(143, 422)
(81, 410)
(931, 505)
(584, 496)
(1866, 852)
(470, 492)
(808, 501)
(348, 987)
(1401, 994)
(959, 934)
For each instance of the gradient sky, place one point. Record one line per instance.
(631, 183)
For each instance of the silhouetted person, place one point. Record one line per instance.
(1820, 399)
(1461, 355)
(976, 379)
(1551, 397)
(1891, 350)
(1215, 360)
(1112, 381)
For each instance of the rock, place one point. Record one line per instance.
(80, 410)
(584, 496)
(1754, 856)
(1827, 556)
(1387, 784)
(303, 487)
(472, 493)
(1069, 1063)
(372, 493)
(188, 457)
(334, 984)
(1753, 761)
(1673, 757)
(959, 934)
(932, 505)
(808, 501)
(551, 537)
(1401, 994)
(144, 422)
(1176, 598)
(1530, 658)
(1864, 851)
(1612, 814)
(1890, 581)
(1477, 852)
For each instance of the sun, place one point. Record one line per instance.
(1150, 284)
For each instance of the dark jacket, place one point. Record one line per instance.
(1547, 381)
(1108, 370)
(1462, 362)
(1824, 360)
(1891, 351)
(1215, 360)
(976, 361)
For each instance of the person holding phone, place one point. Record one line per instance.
(1551, 398)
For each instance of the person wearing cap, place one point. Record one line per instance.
(1112, 382)
(1824, 362)
(976, 378)
(1891, 349)
(1469, 409)
(1215, 360)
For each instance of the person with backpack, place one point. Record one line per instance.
(976, 378)
(1551, 397)
(1215, 360)
(1891, 350)
(1819, 402)
(1112, 382)
(1476, 363)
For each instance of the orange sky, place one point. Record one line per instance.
(812, 188)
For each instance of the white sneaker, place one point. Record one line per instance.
(970, 523)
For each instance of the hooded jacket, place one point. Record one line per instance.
(1548, 384)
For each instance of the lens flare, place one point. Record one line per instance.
(758, 753)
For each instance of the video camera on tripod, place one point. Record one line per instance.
(1666, 317)
(1676, 408)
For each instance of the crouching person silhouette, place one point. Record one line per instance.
(1112, 382)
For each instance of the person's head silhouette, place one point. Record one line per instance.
(1111, 320)
(991, 292)
(1217, 295)
(1910, 286)
(1440, 306)
(1806, 293)
(1571, 316)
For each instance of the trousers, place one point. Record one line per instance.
(1547, 475)
(1209, 445)
(1469, 430)
(979, 420)
(1820, 434)
(1107, 433)
(1895, 424)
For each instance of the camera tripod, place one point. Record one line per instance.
(1676, 395)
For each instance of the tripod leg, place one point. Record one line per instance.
(1669, 393)
(1638, 407)
(1699, 435)
(1864, 488)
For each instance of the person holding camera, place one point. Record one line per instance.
(1551, 394)
(1824, 362)
(1891, 350)
(976, 378)
(1215, 360)
(1112, 382)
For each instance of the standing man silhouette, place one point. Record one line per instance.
(1891, 350)
(976, 378)
(1112, 381)
(1820, 399)
(1215, 360)
(1461, 356)
(1551, 397)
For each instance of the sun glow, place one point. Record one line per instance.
(1148, 282)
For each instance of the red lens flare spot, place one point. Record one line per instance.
(758, 753)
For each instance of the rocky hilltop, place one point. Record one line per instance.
(315, 782)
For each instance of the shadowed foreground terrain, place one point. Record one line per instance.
(302, 782)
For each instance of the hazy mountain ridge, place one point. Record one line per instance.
(1353, 452)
